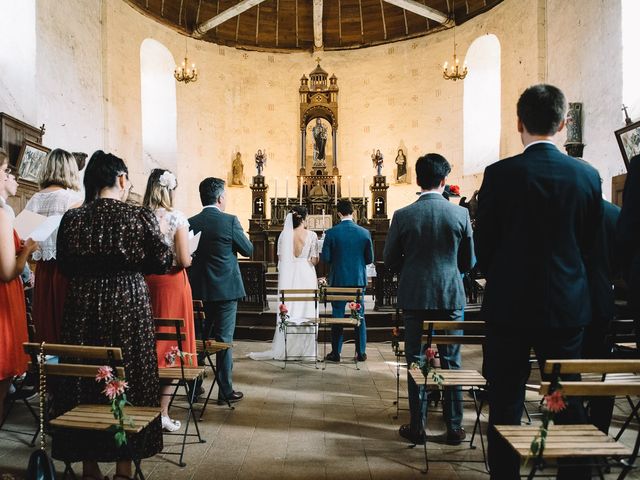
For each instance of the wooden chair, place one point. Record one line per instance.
(86, 416)
(470, 380)
(307, 327)
(180, 376)
(339, 294)
(398, 351)
(585, 441)
(207, 348)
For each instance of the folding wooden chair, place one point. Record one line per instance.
(584, 441)
(471, 380)
(181, 376)
(86, 416)
(339, 294)
(207, 348)
(398, 351)
(307, 327)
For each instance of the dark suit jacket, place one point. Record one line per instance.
(430, 243)
(215, 274)
(629, 230)
(538, 216)
(348, 249)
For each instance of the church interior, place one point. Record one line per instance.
(306, 102)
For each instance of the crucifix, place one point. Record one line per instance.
(378, 203)
(627, 120)
(259, 202)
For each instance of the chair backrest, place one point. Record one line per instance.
(199, 318)
(620, 339)
(111, 356)
(343, 294)
(472, 332)
(607, 385)
(174, 333)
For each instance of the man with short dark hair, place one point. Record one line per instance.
(215, 274)
(430, 243)
(539, 213)
(347, 249)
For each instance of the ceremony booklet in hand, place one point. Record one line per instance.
(35, 226)
(194, 240)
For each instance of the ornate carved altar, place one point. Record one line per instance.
(319, 182)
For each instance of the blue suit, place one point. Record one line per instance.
(347, 249)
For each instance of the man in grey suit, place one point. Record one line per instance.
(433, 240)
(215, 274)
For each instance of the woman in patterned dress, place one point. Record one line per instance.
(171, 293)
(105, 247)
(60, 185)
(13, 314)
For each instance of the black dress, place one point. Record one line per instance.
(104, 248)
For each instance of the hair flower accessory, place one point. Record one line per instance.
(168, 180)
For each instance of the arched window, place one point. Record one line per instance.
(481, 108)
(630, 64)
(18, 58)
(158, 97)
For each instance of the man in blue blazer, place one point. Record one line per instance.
(539, 214)
(347, 249)
(215, 274)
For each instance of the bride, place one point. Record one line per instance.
(297, 257)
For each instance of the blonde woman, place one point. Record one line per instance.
(60, 185)
(171, 293)
(13, 257)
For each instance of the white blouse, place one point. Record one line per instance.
(56, 202)
(170, 222)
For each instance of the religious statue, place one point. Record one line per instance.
(237, 170)
(401, 162)
(318, 191)
(319, 133)
(378, 159)
(261, 161)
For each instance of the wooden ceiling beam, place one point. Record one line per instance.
(228, 14)
(317, 23)
(419, 9)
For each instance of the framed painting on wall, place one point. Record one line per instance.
(629, 142)
(30, 162)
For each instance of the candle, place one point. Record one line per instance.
(336, 189)
(349, 186)
(300, 191)
(364, 194)
(275, 191)
(286, 190)
(323, 219)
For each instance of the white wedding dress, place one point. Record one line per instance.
(294, 272)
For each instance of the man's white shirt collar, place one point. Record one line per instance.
(429, 193)
(539, 141)
(350, 219)
(211, 206)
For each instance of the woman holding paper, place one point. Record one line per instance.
(171, 292)
(60, 186)
(13, 257)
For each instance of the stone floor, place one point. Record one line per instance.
(301, 423)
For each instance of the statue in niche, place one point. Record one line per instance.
(401, 162)
(318, 191)
(261, 161)
(319, 133)
(377, 159)
(237, 170)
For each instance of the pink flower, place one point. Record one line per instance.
(555, 402)
(104, 373)
(353, 306)
(283, 308)
(115, 388)
(430, 353)
(358, 306)
(395, 331)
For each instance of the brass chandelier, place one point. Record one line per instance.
(453, 71)
(184, 73)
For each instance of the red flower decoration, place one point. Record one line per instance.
(104, 373)
(395, 331)
(555, 402)
(283, 308)
(454, 189)
(430, 353)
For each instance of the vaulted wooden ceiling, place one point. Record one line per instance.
(289, 24)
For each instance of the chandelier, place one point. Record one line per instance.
(184, 73)
(453, 71)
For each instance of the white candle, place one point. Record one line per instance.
(323, 219)
(364, 192)
(300, 191)
(286, 190)
(336, 189)
(349, 186)
(275, 191)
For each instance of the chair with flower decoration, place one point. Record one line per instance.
(181, 376)
(86, 364)
(438, 332)
(307, 326)
(354, 296)
(582, 443)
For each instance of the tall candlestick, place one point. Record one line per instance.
(323, 219)
(275, 191)
(336, 189)
(349, 186)
(300, 202)
(286, 190)
(364, 192)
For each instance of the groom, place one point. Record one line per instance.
(347, 249)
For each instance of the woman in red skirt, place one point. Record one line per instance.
(171, 293)
(60, 191)
(13, 314)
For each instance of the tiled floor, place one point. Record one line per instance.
(302, 423)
